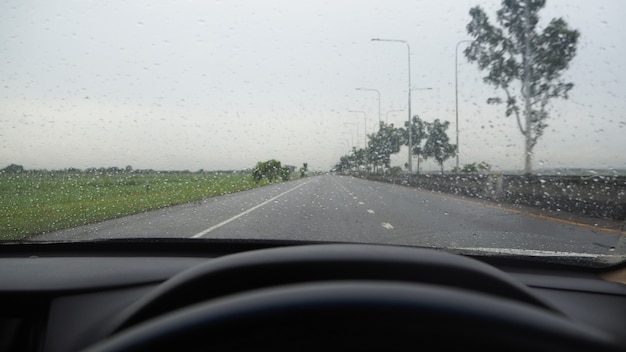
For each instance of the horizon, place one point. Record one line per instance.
(189, 90)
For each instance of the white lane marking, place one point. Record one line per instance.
(370, 211)
(202, 233)
(387, 225)
(347, 191)
(533, 252)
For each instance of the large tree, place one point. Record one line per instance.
(515, 53)
(386, 141)
(270, 170)
(418, 134)
(437, 144)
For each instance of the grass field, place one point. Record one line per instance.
(36, 202)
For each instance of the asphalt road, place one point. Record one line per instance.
(347, 209)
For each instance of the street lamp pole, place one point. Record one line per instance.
(377, 91)
(387, 115)
(456, 96)
(351, 136)
(409, 103)
(364, 126)
(357, 132)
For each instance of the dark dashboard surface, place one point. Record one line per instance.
(63, 297)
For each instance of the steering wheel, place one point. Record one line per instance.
(349, 297)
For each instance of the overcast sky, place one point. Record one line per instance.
(224, 84)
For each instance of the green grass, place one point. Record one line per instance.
(37, 202)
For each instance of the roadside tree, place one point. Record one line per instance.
(437, 144)
(13, 169)
(270, 170)
(525, 63)
(304, 170)
(418, 129)
(386, 141)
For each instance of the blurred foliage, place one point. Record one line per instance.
(437, 145)
(473, 168)
(428, 140)
(528, 65)
(271, 170)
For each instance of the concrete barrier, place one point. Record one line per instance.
(597, 196)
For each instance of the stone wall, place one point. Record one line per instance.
(597, 196)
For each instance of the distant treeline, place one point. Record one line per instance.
(15, 169)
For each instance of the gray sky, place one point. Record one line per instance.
(224, 84)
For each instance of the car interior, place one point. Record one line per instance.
(121, 295)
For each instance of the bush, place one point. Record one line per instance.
(396, 171)
(270, 170)
(13, 169)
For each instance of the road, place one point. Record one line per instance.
(347, 209)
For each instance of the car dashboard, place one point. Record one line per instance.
(81, 296)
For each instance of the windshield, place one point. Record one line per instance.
(485, 127)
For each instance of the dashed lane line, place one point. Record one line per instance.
(387, 225)
(202, 233)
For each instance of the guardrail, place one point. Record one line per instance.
(597, 196)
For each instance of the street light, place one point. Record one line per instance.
(364, 126)
(357, 131)
(351, 137)
(377, 91)
(409, 89)
(456, 96)
(387, 114)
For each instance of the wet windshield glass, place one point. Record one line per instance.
(476, 126)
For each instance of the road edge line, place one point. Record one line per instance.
(204, 232)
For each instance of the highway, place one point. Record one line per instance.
(348, 209)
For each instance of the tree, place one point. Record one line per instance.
(438, 144)
(285, 173)
(270, 170)
(470, 168)
(418, 134)
(360, 158)
(473, 168)
(304, 169)
(484, 167)
(357, 160)
(344, 164)
(13, 169)
(386, 141)
(515, 53)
